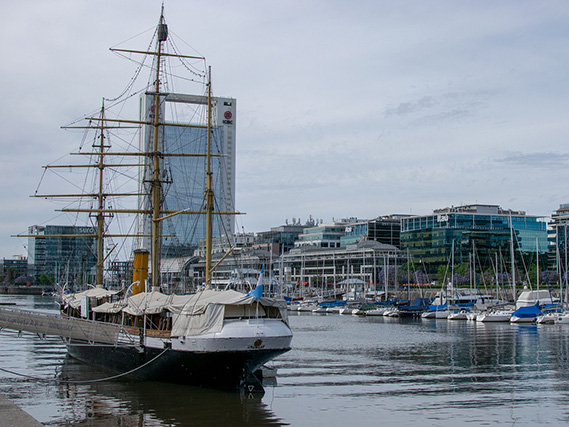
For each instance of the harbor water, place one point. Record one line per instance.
(341, 370)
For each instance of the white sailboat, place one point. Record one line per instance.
(502, 312)
(495, 315)
(439, 309)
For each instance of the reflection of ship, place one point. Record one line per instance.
(155, 403)
(212, 337)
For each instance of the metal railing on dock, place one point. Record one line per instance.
(65, 327)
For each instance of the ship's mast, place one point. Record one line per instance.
(101, 201)
(154, 153)
(208, 191)
(156, 183)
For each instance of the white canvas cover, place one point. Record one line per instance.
(203, 312)
(147, 303)
(110, 307)
(196, 314)
(142, 303)
(74, 300)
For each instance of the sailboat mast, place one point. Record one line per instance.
(208, 190)
(512, 254)
(537, 263)
(156, 183)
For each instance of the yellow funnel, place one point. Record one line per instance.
(140, 271)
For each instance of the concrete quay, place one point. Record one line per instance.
(21, 290)
(12, 416)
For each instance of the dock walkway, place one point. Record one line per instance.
(13, 416)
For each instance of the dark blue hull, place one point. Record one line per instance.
(213, 369)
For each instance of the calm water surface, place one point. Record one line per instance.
(342, 369)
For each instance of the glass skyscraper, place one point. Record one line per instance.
(183, 178)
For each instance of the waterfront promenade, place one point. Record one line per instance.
(12, 416)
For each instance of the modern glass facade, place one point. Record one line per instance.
(558, 239)
(19, 265)
(386, 229)
(184, 177)
(482, 229)
(185, 189)
(68, 259)
(284, 236)
(322, 236)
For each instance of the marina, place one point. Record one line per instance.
(145, 301)
(410, 371)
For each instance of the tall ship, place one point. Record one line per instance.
(211, 337)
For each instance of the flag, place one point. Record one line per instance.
(258, 291)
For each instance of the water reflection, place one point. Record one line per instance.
(438, 371)
(155, 404)
(341, 368)
(110, 403)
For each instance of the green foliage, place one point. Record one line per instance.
(45, 279)
(442, 274)
(463, 269)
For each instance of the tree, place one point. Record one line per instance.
(21, 280)
(10, 275)
(45, 279)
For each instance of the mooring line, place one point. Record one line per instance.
(85, 381)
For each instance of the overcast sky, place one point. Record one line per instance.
(344, 109)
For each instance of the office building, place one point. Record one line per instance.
(16, 267)
(183, 178)
(558, 237)
(61, 253)
(383, 229)
(324, 235)
(363, 262)
(279, 239)
(482, 230)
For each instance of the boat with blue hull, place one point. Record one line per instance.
(224, 369)
(526, 314)
(211, 337)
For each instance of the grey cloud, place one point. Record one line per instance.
(406, 108)
(535, 159)
(454, 114)
(448, 106)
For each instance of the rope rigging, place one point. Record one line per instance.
(136, 73)
(98, 380)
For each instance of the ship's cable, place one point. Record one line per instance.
(84, 381)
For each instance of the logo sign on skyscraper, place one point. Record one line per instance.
(228, 116)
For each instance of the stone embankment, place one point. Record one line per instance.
(21, 290)
(13, 416)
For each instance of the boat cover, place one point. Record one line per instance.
(110, 307)
(196, 314)
(527, 312)
(203, 313)
(438, 307)
(141, 304)
(74, 300)
(147, 303)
